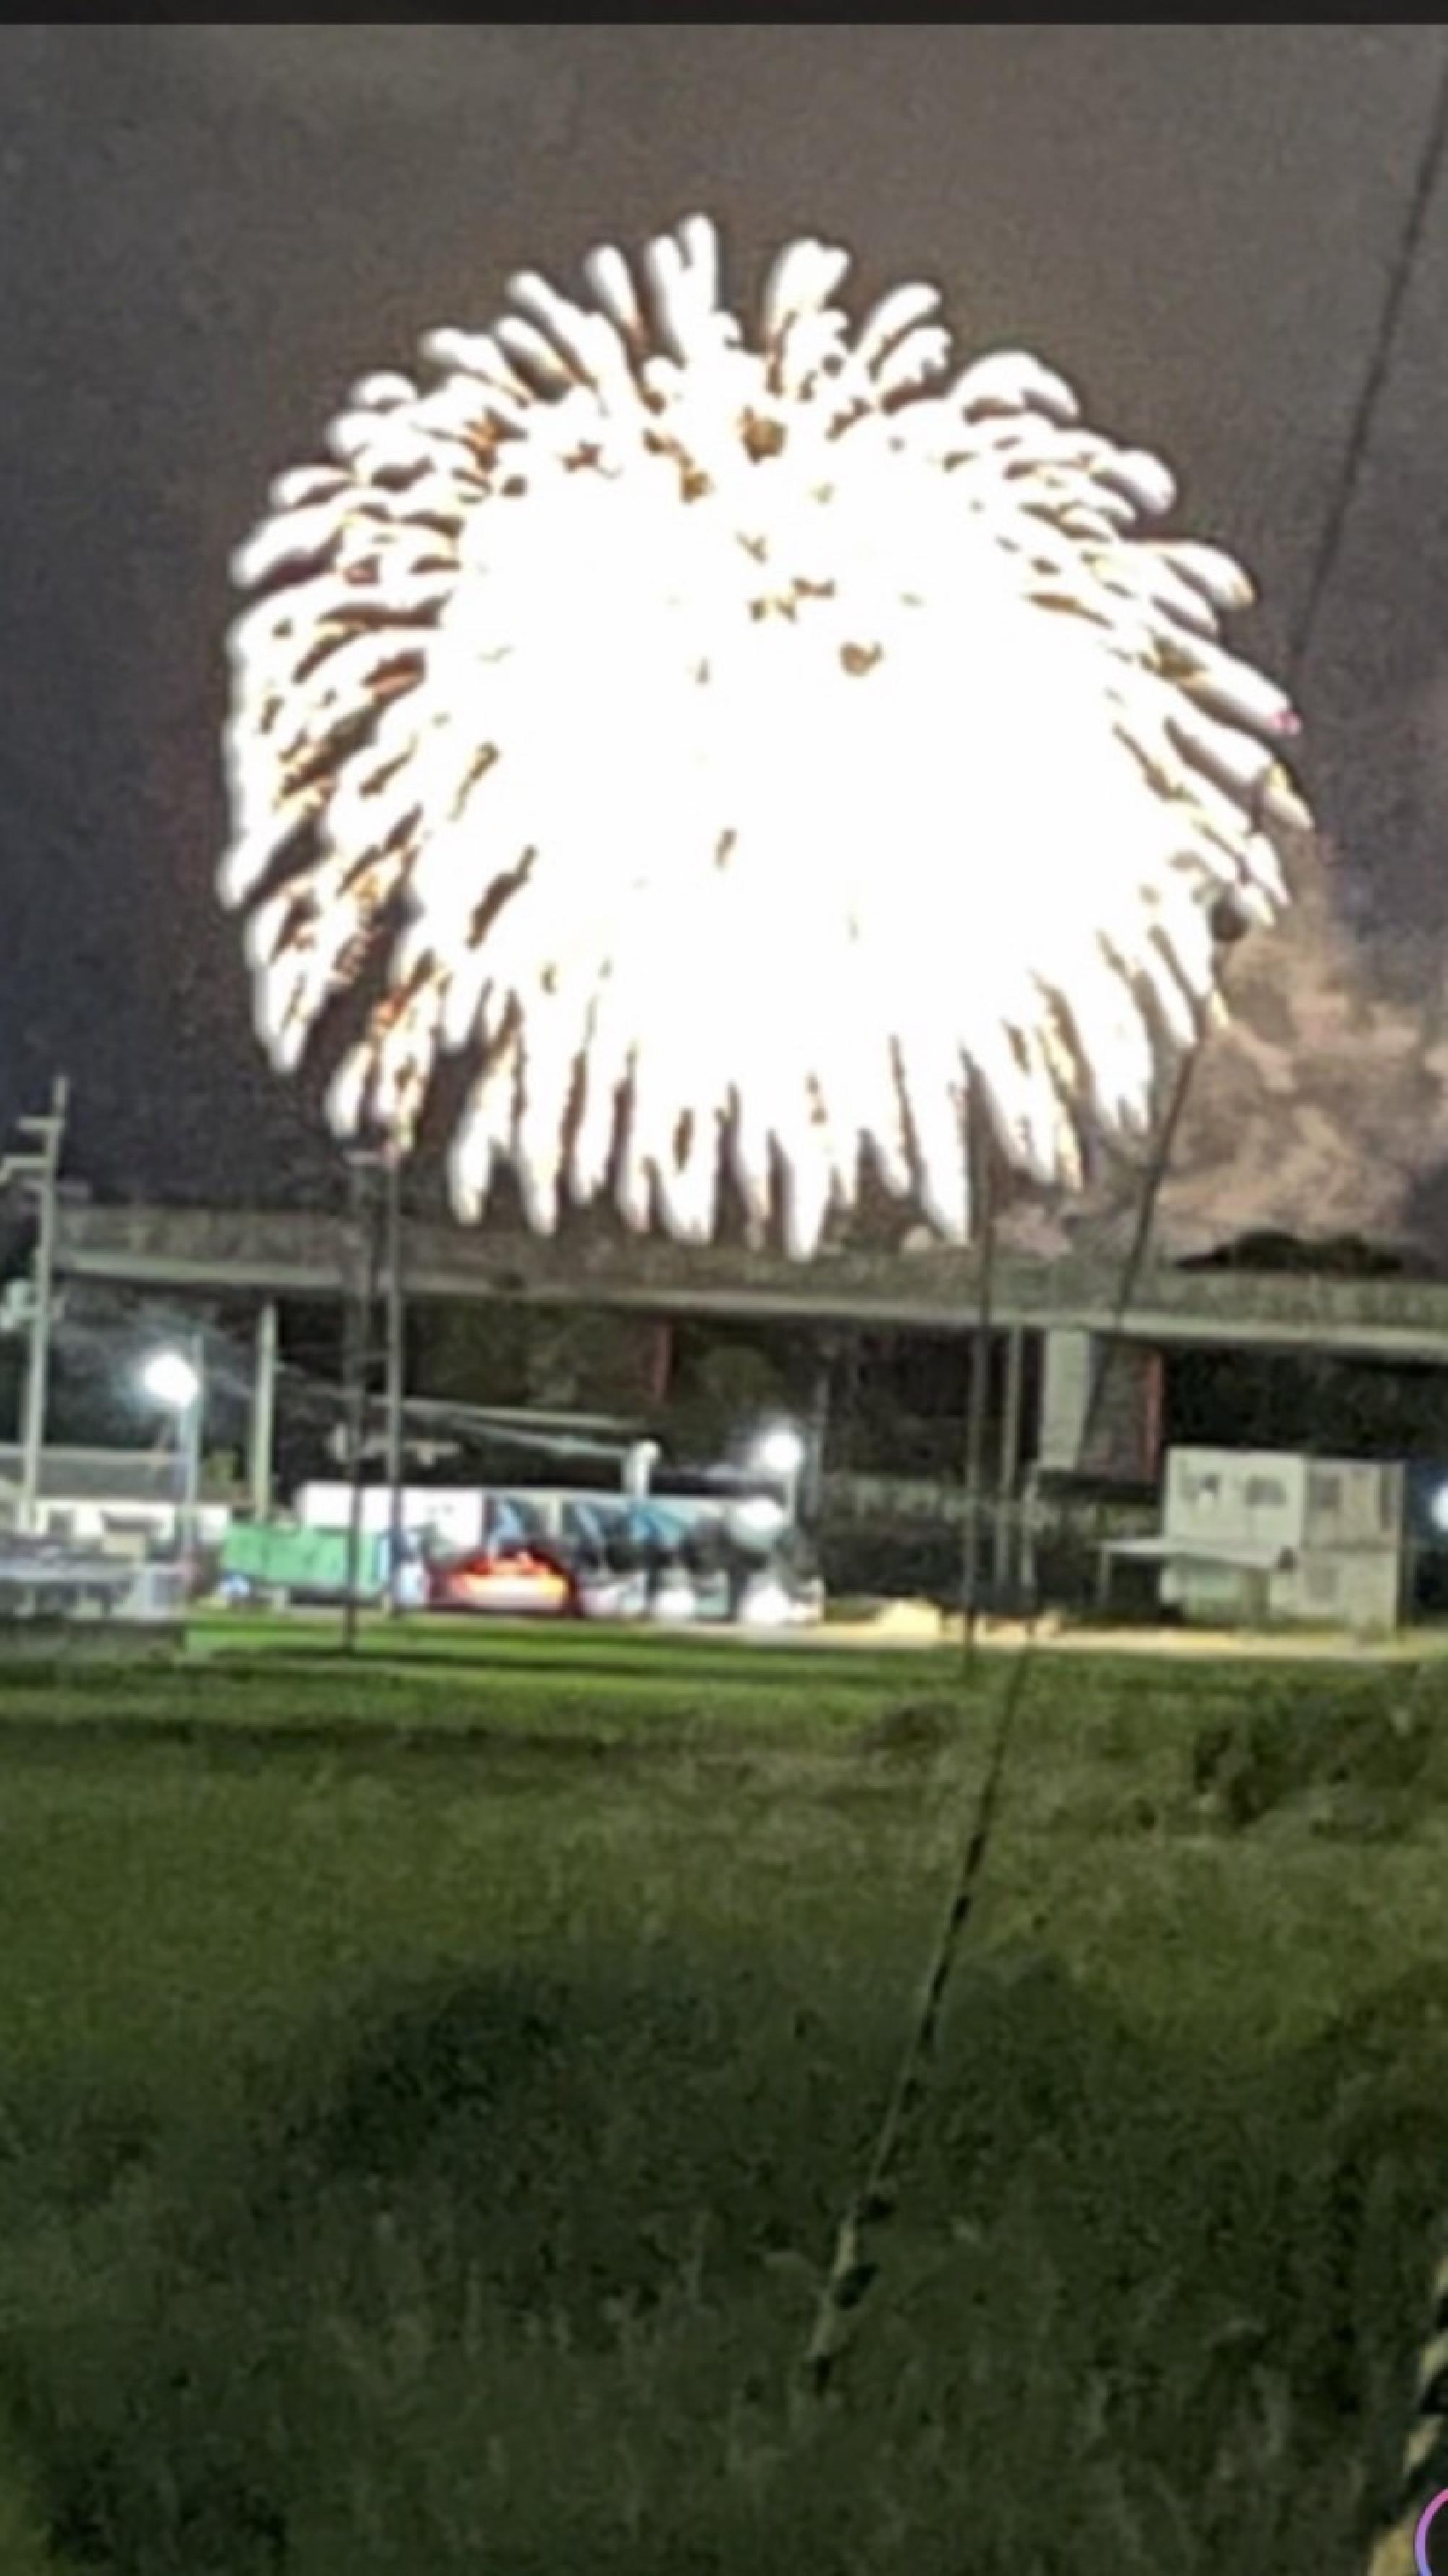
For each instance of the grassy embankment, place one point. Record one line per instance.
(429, 2089)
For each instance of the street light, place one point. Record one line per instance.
(172, 1379)
(177, 1380)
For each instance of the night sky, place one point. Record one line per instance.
(209, 233)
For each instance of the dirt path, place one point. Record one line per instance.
(909, 1624)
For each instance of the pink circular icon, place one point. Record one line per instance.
(1420, 2537)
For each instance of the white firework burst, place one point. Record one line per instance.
(741, 751)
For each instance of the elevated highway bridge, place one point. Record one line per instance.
(270, 1254)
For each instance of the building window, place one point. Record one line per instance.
(1326, 1493)
(1265, 1490)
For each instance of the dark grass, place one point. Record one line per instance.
(430, 2090)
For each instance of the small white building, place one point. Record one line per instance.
(1255, 1536)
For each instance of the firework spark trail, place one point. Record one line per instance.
(739, 750)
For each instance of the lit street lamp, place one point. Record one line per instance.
(176, 1379)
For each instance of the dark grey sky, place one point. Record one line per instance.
(208, 233)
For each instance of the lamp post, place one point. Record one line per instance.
(396, 1384)
(781, 1454)
(639, 1461)
(362, 1167)
(39, 1171)
(176, 1378)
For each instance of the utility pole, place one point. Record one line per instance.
(396, 1380)
(639, 1461)
(191, 1428)
(1007, 1543)
(40, 1169)
(262, 1443)
(982, 1172)
(361, 1298)
(819, 1432)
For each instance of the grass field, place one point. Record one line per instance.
(430, 2086)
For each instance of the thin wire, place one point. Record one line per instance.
(1355, 452)
(854, 2267)
(1375, 375)
(1425, 2450)
(1324, 564)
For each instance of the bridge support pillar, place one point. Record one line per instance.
(1006, 1553)
(263, 1411)
(1125, 1443)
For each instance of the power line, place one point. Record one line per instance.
(1375, 376)
(1326, 553)
(1356, 447)
(854, 2266)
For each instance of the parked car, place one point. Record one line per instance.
(515, 1580)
